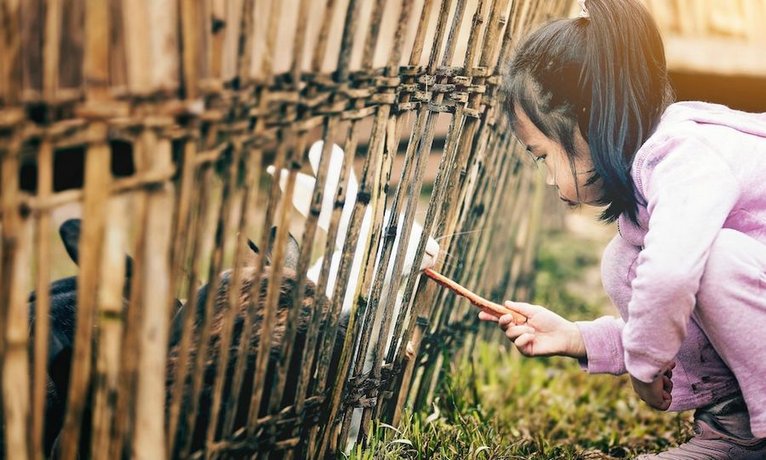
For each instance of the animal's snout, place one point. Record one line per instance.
(431, 254)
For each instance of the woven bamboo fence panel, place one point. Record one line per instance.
(154, 121)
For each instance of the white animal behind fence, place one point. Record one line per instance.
(302, 197)
(304, 190)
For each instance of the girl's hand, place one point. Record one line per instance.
(657, 392)
(544, 334)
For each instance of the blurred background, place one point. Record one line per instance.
(716, 50)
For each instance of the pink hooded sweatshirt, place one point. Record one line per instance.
(702, 170)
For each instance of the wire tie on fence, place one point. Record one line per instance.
(459, 97)
(473, 113)
(363, 197)
(480, 71)
(410, 70)
(441, 107)
(448, 71)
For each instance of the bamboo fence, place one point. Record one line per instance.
(154, 120)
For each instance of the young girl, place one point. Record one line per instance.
(686, 183)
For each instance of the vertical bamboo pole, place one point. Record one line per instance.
(202, 206)
(16, 366)
(275, 211)
(371, 192)
(285, 356)
(203, 332)
(440, 192)
(313, 330)
(377, 166)
(15, 284)
(12, 281)
(188, 197)
(205, 207)
(42, 302)
(50, 64)
(380, 155)
(149, 440)
(190, 13)
(319, 360)
(244, 51)
(110, 327)
(481, 131)
(97, 166)
(476, 173)
(244, 47)
(234, 292)
(153, 236)
(412, 189)
(253, 172)
(122, 428)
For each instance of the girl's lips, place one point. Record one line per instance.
(569, 202)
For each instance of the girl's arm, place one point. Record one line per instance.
(547, 334)
(603, 344)
(690, 191)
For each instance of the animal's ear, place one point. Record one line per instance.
(303, 193)
(292, 250)
(177, 323)
(70, 235)
(337, 157)
(249, 254)
(293, 253)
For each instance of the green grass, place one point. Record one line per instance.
(501, 405)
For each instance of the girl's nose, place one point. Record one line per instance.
(549, 177)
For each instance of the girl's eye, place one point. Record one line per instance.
(539, 159)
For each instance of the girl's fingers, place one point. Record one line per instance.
(523, 341)
(485, 316)
(505, 320)
(515, 332)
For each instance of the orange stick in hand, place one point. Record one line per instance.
(484, 304)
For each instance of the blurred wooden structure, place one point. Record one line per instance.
(200, 96)
(716, 49)
(713, 36)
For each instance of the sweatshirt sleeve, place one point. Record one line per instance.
(690, 190)
(603, 345)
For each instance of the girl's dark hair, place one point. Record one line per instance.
(604, 74)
